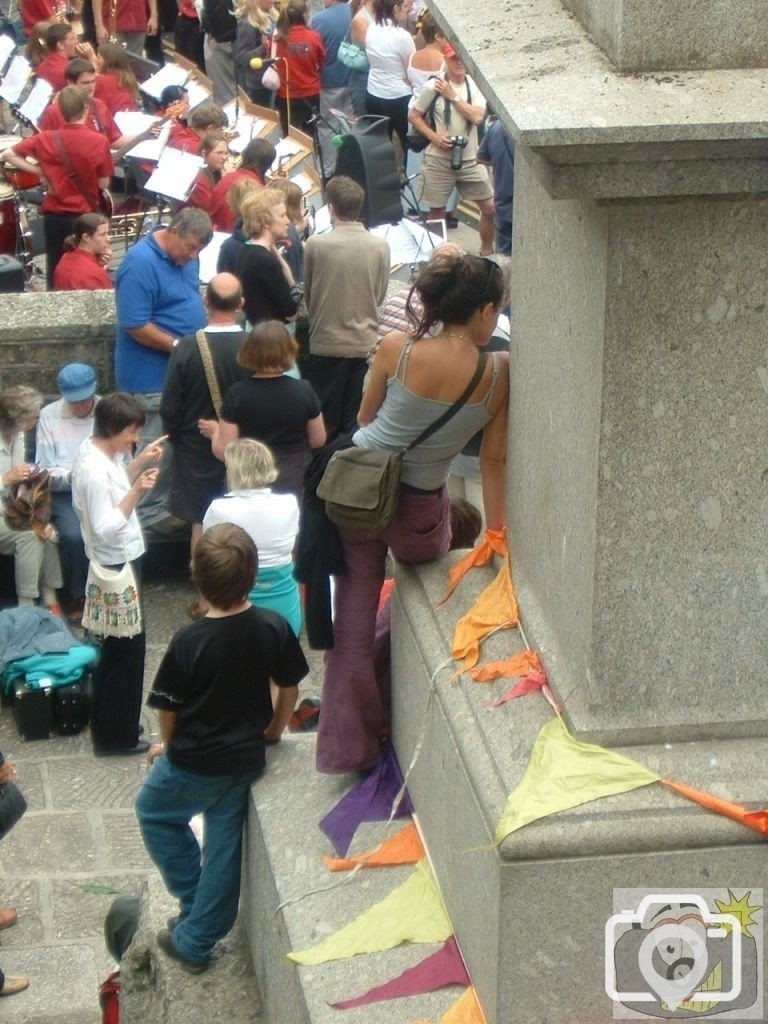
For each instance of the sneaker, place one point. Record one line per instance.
(173, 922)
(451, 220)
(141, 748)
(13, 985)
(165, 942)
(306, 716)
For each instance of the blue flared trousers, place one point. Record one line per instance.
(207, 886)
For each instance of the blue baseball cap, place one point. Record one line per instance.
(77, 381)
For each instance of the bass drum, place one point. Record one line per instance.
(9, 228)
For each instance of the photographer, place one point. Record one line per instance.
(447, 112)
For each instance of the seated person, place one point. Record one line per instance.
(215, 152)
(255, 160)
(61, 429)
(204, 119)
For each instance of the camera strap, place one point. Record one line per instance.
(447, 105)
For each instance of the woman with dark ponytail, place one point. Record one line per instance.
(86, 256)
(414, 379)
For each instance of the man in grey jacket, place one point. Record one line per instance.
(345, 281)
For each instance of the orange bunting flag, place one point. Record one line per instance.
(403, 848)
(522, 664)
(757, 820)
(495, 608)
(495, 542)
(466, 1010)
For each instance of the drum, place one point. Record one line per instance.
(8, 223)
(19, 179)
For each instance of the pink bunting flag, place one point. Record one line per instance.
(445, 967)
(533, 683)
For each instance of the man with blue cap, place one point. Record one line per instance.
(61, 429)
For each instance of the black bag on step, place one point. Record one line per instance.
(71, 708)
(32, 711)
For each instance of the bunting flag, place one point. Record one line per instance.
(466, 1010)
(495, 608)
(443, 968)
(757, 820)
(564, 773)
(404, 847)
(522, 664)
(533, 683)
(369, 800)
(494, 542)
(413, 912)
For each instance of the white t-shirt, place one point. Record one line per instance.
(270, 520)
(388, 48)
(99, 484)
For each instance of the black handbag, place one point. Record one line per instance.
(12, 807)
(361, 486)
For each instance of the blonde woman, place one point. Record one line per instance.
(256, 20)
(271, 520)
(265, 276)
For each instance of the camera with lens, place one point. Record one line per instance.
(458, 143)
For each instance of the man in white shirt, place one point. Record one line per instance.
(61, 429)
(448, 111)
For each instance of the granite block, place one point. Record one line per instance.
(63, 986)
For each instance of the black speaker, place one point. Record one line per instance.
(366, 155)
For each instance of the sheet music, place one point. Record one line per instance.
(170, 74)
(322, 220)
(209, 257)
(33, 106)
(151, 149)
(197, 93)
(408, 241)
(304, 182)
(7, 46)
(16, 77)
(133, 122)
(175, 174)
(285, 150)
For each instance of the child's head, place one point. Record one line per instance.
(224, 565)
(466, 523)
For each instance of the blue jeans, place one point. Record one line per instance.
(208, 886)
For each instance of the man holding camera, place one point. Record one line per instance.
(447, 112)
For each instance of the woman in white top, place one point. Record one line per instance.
(427, 62)
(105, 493)
(388, 47)
(362, 17)
(35, 561)
(271, 520)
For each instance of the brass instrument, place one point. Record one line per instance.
(113, 21)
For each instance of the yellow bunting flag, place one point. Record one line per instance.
(521, 664)
(494, 542)
(466, 1010)
(402, 848)
(495, 608)
(564, 773)
(411, 913)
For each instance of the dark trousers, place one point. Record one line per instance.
(74, 561)
(302, 108)
(397, 112)
(118, 688)
(56, 227)
(338, 382)
(188, 40)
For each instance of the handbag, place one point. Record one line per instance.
(12, 807)
(27, 505)
(271, 78)
(361, 486)
(112, 606)
(351, 55)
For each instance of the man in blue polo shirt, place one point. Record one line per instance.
(157, 290)
(498, 150)
(333, 24)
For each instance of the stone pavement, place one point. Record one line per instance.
(79, 845)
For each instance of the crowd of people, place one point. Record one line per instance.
(228, 404)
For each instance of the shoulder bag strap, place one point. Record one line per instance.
(210, 371)
(482, 358)
(72, 174)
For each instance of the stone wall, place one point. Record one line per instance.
(42, 331)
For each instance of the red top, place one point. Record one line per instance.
(79, 270)
(52, 69)
(219, 212)
(188, 10)
(202, 192)
(89, 156)
(98, 120)
(182, 137)
(305, 53)
(113, 95)
(132, 15)
(33, 11)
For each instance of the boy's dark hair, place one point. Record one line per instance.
(115, 412)
(346, 197)
(466, 523)
(224, 565)
(76, 67)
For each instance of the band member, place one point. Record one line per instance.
(116, 83)
(86, 256)
(76, 164)
(214, 151)
(61, 41)
(204, 119)
(127, 21)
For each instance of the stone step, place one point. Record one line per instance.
(284, 849)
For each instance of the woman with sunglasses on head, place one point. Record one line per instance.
(415, 378)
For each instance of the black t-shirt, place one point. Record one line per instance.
(273, 410)
(215, 676)
(266, 292)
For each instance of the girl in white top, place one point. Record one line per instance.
(388, 47)
(427, 62)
